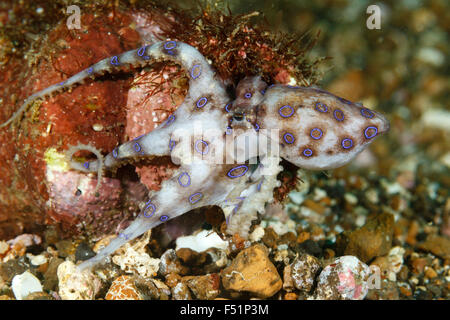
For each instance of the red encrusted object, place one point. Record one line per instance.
(102, 112)
(37, 187)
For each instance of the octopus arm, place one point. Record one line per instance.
(191, 186)
(254, 197)
(201, 76)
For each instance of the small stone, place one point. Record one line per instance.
(83, 252)
(133, 258)
(4, 247)
(288, 283)
(181, 292)
(191, 257)
(430, 273)
(304, 270)
(437, 245)
(39, 296)
(303, 236)
(403, 273)
(257, 234)
(344, 279)
(418, 265)
(170, 263)
(270, 238)
(372, 240)
(75, 284)
(252, 271)
(388, 291)
(163, 289)
(311, 247)
(328, 253)
(151, 289)
(24, 284)
(50, 276)
(37, 260)
(422, 294)
(25, 240)
(65, 248)
(290, 296)
(123, 288)
(172, 280)
(102, 243)
(218, 260)
(391, 264)
(204, 287)
(405, 289)
(11, 268)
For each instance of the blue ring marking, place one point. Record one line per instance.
(188, 182)
(341, 116)
(170, 119)
(307, 152)
(229, 130)
(248, 95)
(256, 127)
(373, 135)
(90, 70)
(235, 168)
(62, 82)
(292, 139)
(137, 147)
(164, 218)
(149, 206)
(286, 116)
(195, 200)
(198, 150)
(344, 142)
(201, 105)
(171, 145)
(293, 87)
(263, 91)
(115, 153)
(170, 42)
(258, 187)
(195, 67)
(137, 138)
(367, 113)
(272, 85)
(314, 130)
(141, 54)
(226, 107)
(123, 235)
(114, 61)
(86, 165)
(321, 107)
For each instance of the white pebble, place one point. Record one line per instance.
(24, 284)
(257, 234)
(97, 127)
(202, 241)
(37, 260)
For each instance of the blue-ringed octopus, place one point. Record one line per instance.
(228, 148)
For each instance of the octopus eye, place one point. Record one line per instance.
(238, 116)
